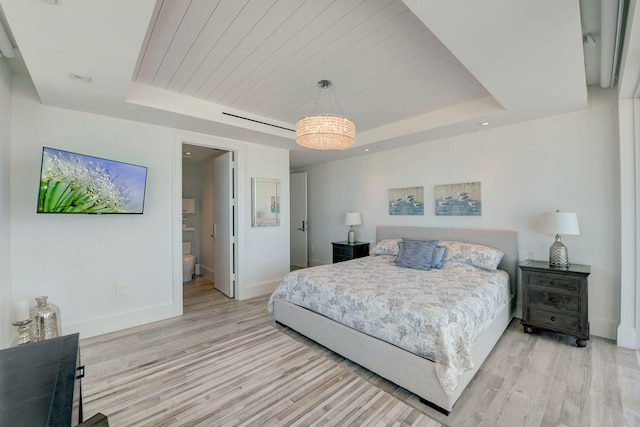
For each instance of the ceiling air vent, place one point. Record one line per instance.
(257, 121)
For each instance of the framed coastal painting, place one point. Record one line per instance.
(406, 201)
(458, 199)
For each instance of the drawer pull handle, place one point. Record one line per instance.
(552, 299)
(553, 318)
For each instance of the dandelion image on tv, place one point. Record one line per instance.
(77, 183)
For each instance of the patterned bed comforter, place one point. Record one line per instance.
(436, 314)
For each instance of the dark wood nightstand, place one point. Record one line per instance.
(344, 251)
(555, 299)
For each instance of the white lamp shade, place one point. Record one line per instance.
(562, 223)
(352, 218)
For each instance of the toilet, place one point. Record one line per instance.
(188, 262)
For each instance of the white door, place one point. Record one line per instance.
(298, 185)
(223, 229)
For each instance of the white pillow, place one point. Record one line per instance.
(386, 247)
(476, 255)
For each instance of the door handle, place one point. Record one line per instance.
(303, 227)
(215, 229)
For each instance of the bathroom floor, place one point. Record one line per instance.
(198, 291)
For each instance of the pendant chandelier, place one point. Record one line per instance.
(325, 131)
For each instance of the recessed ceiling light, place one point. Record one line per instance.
(485, 124)
(366, 150)
(187, 153)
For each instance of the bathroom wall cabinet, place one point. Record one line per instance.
(188, 206)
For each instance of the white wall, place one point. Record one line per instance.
(77, 259)
(5, 221)
(268, 255)
(629, 328)
(263, 252)
(629, 110)
(567, 162)
(192, 182)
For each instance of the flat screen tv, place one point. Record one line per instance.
(77, 183)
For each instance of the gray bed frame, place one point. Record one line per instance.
(399, 366)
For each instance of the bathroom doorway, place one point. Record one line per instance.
(208, 216)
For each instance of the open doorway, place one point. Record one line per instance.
(298, 225)
(208, 224)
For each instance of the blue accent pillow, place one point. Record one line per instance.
(416, 254)
(439, 253)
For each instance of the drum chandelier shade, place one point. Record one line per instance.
(325, 131)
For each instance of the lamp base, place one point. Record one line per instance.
(24, 333)
(558, 254)
(351, 235)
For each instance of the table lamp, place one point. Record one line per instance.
(351, 219)
(559, 223)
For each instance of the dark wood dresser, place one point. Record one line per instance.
(40, 384)
(344, 251)
(556, 299)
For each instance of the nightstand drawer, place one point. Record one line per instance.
(343, 252)
(559, 281)
(558, 301)
(555, 321)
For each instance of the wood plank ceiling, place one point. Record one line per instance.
(265, 57)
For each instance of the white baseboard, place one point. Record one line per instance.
(627, 337)
(316, 262)
(604, 328)
(518, 310)
(261, 289)
(206, 272)
(120, 320)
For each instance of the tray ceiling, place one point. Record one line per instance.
(405, 72)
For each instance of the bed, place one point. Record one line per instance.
(405, 354)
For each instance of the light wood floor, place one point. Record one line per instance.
(225, 362)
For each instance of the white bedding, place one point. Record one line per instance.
(436, 314)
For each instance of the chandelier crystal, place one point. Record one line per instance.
(325, 131)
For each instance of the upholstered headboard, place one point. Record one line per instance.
(505, 240)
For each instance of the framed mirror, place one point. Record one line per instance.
(265, 202)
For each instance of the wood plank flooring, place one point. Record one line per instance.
(226, 363)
